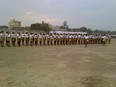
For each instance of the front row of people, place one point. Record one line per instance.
(26, 38)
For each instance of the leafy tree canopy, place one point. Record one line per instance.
(40, 26)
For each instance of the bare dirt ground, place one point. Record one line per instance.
(58, 66)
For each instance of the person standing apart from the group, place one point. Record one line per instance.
(104, 38)
(109, 39)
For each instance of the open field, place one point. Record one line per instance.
(58, 66)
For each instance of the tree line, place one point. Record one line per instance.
(46, 27)
(90, 31)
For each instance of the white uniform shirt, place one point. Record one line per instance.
(26, 35)
(47, 36)
(19, 36)
(51, 37)
(13, 35)
(40, 36)
(104, 38)
(86, 37)
(2, 35)
(35, 36)
(31, 36)
(79, 36)
(23, 35)
(8, 35)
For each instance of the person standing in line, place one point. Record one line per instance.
(100, 38)
(27, 38)
(64, 38)
(55, 39)
(51, 38)
(79, 39)
(61, 36)
(58, 39)
(19, 39)
(76, 39)
(8, 38)
(40, 38)
(86, 40)
(13, 39)
(31, 38)
(68, 39)
(2, 38)
(47, 39)
(71, 35)
(36, 39)
(23, 38)
(44, 38)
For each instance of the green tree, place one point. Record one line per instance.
(83, 29)
(40, 26)
(45, 26)
(35, 26)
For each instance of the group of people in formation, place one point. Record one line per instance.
(26, 39)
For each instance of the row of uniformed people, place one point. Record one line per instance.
(26, 38)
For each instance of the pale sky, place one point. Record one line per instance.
(94, 14)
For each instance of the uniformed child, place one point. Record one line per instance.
(23, 38)
(73, 39)
(31, 38)
(2, 38)
(86, 40)
(108, 39)
(51, 39)
(76, 39)
(47, 39)
(44, 39)
(61, 39)
(8, 38)
(55, 39)
(36, 39)
(83, 39)
(27, 38)
(104, 39)
(79, 38)
(64, 38)
(13, 39)
(19, 38)
(40, 38)
(68, 39)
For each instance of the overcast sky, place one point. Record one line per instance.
(94, 14)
